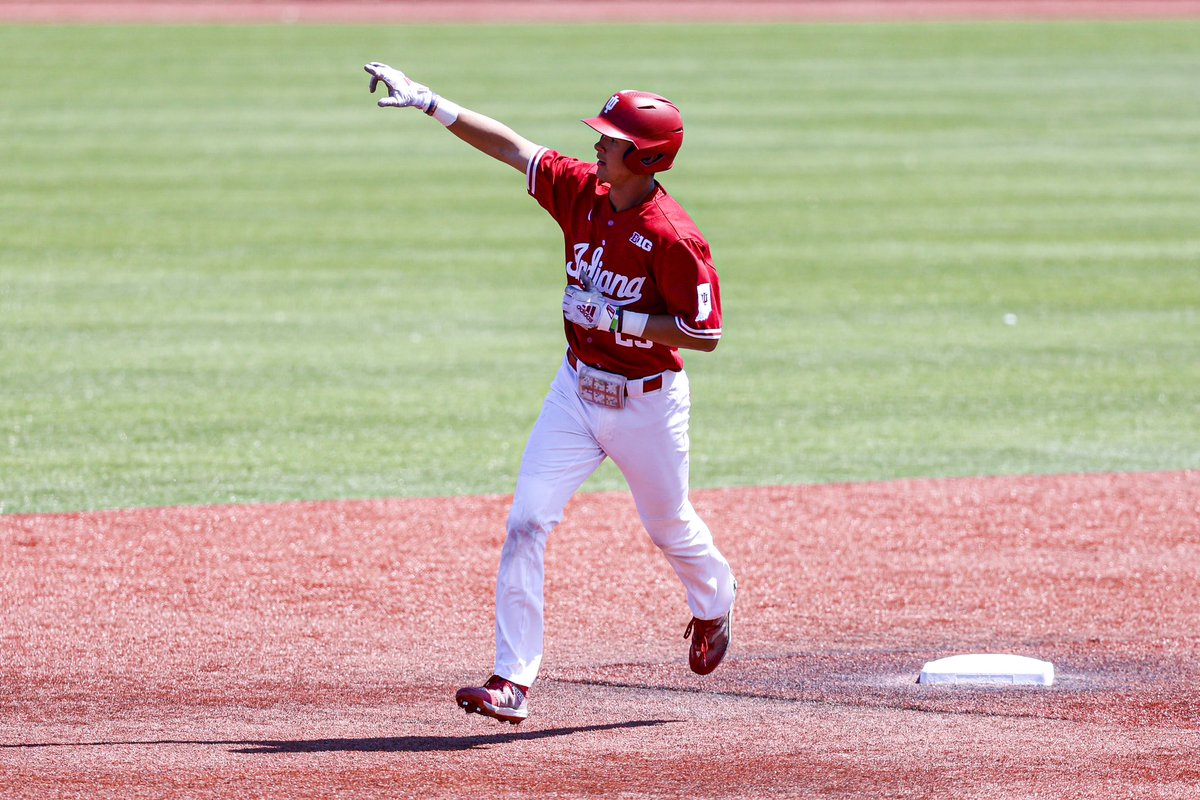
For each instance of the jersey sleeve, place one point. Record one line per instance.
(555, 181)
(691, 288)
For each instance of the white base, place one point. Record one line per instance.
(989, 668)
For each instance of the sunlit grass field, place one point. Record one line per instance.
(945, 249)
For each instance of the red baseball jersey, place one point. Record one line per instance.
(650, 258)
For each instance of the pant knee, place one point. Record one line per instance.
(524, 521)
(526, 528)
(679, 536)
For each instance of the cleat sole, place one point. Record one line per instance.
(474, 708)
(471, 704)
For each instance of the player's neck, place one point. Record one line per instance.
(630, 193)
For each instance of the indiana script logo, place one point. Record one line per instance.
(611, 284)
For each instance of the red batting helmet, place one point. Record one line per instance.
(652, 123)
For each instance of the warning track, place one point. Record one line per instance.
(313, 649)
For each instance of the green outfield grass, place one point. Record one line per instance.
(225, 276)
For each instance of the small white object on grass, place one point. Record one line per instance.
(1000, 669)
(1010, 318)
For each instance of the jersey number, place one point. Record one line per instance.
(633, 341)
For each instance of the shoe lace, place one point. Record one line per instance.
(507, 691)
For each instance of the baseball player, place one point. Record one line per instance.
(640, 286)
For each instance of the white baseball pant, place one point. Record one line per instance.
(648, 441)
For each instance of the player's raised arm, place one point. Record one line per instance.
(481, 132)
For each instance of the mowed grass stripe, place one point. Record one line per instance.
(225, 276)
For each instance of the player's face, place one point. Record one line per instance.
(610, 160)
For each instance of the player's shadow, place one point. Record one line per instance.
(380, 744)
(429, 744)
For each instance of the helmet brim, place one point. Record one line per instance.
(602, 126)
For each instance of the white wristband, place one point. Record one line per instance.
(443, 110)
(634, 323)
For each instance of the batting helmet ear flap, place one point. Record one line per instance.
(639, 162)
(652, 160)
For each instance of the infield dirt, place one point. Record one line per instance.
(313, 649)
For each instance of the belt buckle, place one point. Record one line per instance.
(599, 387)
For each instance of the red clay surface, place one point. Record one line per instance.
(313, 649)
(393, 11)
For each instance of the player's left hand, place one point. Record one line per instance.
(588, 308)
(403, 92)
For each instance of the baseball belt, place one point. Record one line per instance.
(633, 387)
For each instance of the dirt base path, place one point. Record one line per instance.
(313, 649)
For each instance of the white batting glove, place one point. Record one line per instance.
(402, 91)
(589, 309)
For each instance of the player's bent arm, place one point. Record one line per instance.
(586, 307)
(663, 329)
(493, 138)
